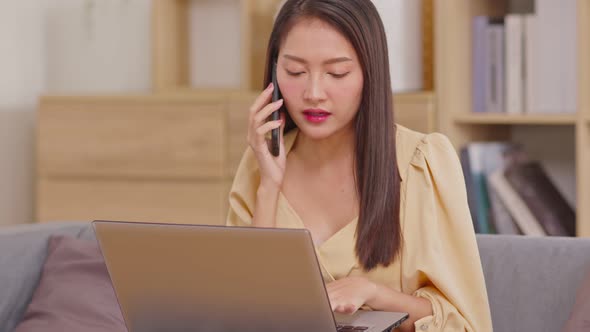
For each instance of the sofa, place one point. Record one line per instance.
(531, 281)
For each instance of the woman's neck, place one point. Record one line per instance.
(317, 154)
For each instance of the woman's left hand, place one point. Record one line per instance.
(347, 295)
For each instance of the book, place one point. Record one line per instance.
(503, 221)
(519, 211)
(479, 160)
(543, 199)
(515, 63)
(488, 64)
(480, 203)
(480, 61)
(495, 39)
(551, 57)
(471, 195)
(521, 6)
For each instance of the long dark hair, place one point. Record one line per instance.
(378, 233)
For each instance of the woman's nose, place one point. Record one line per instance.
(314, 91)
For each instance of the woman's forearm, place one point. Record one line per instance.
(387, 299)
(266, 206)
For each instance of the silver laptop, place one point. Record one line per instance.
(213, 278)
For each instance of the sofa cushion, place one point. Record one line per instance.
(532, 281)
(579, 320)
(23, 249)
(75, 292)
(87, 233)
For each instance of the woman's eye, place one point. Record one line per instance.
(295, 73)
(338, 75)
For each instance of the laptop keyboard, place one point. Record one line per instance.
(348, 328)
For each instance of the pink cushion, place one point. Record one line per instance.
(579, 320)
(75, 291)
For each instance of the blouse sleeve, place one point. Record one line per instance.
(242, 196)
(441, 262)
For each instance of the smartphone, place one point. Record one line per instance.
(274, 146)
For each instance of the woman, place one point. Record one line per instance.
(386, 206)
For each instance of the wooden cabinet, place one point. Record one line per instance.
(162, 158)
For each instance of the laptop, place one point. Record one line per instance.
(174, 278)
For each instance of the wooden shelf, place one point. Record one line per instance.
(453, 82)
(415, 110)
(524, 119)
(171, 43)
(176, 96)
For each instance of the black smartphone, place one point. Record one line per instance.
(275, 146)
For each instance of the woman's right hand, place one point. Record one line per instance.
(272, 169)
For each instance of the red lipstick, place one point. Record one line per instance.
(316, 115)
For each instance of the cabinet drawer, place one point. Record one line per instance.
(186, 202)
(238, 113)
(134, 139)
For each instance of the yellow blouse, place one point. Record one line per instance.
(439, 260)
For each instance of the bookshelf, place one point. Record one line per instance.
(171, 39)
(170, 43)
(583, 131)
(170, 61)
(501, 119)
(453, 92)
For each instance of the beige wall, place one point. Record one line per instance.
(16, 166)
(22, 79)
(60, 46)
(215, 61)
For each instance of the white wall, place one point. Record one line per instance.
(98, 46)
(401, 19)
(215, 62)
(63, 47)
(21, 80)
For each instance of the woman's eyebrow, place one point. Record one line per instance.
(327, 62)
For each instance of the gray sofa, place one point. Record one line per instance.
(531, 282)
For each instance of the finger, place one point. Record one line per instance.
(332, 300)
(265, 112)
(267, 127)
(332, 283)
(256, 121)
(349, 309)
(335, 305)
(335, 286)
(345, 308)
(337, 296)
(262, 99)
(330, 287)
(340, 308)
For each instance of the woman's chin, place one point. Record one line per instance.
(317, 132)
